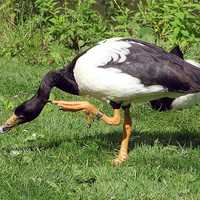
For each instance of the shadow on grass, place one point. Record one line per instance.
(40, 146)
(111, 140)
(184, 139)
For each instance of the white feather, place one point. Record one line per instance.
(1, 129)
(186, 101)
(193, 63)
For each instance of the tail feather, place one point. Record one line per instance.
(165, 104)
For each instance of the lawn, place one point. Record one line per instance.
(56, 157)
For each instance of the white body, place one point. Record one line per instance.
(113, 84)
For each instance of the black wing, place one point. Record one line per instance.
(154, 66)
(164, 104)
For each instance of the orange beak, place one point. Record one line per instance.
(10, 123)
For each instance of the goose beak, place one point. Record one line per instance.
(13, 121)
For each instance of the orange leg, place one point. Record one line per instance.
(127, 130)
(90, 110)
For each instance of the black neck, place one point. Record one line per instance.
(48, 82)
(62, 79)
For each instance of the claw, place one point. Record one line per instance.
(89, 119)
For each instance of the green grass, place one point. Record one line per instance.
(58, 157)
